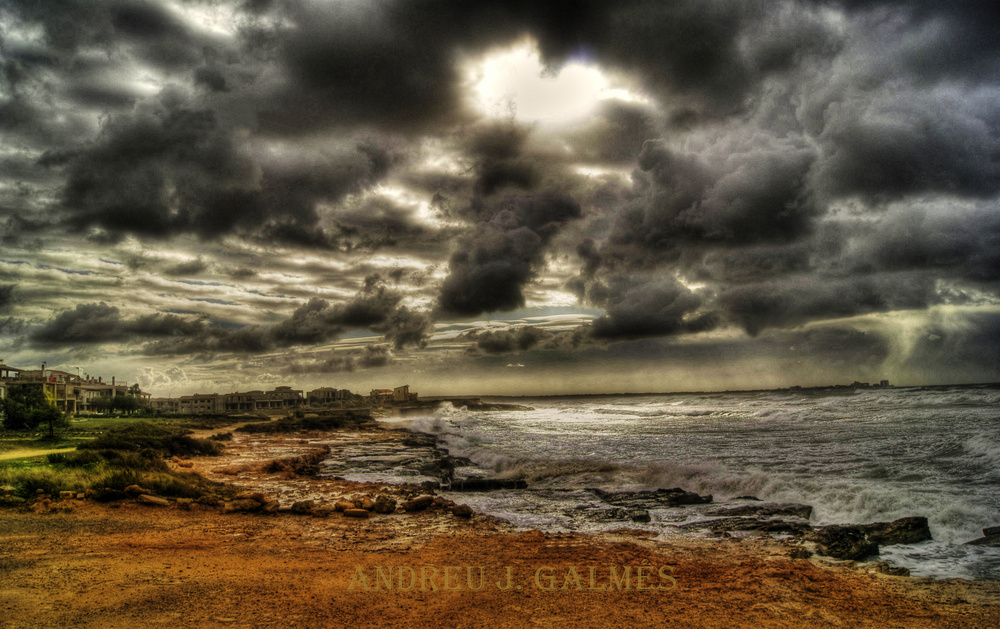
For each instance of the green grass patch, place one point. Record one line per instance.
(303, 424)
(126, 453)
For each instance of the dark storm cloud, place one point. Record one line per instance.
(639, 306)
(100, 323)
(616, 134)
(962, 245)
(891, 146)
(375, 356)
(796, 300)
(6, 295)
(507, 341)
(501, 255)
(168, 168)
(753, 193)
(405, 328)
(961, 345)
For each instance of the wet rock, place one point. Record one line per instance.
(461, 511)
(747, 498)
(902, 531)
(991, 537)
(146, 499)
(765, 510)
(486, 484)
(843, 542)
(639, 515)
(418, 504)
(355, 513)
(652, 499)
(738, 523)
(384, 504)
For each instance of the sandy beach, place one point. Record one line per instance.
(84, 564)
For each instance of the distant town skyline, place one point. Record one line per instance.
(501, 197)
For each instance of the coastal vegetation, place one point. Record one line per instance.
(105, 456)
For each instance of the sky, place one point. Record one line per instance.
(501, 197)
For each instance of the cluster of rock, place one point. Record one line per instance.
(852, 541)
(363, 505)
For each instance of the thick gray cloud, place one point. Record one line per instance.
(492, 265)
(640, 306)
(101, 323)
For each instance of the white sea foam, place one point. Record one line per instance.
(856, 457)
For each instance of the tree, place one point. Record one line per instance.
(26, 406)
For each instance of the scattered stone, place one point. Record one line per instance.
(343, 505)
(12, 501)
(209, 500)
(418, 504)
(320, 511)
(66, 495)
(355, 513)
(303, 507)
(462, 511)
(136, 490)
(244, 505)
(147, 499)
(81, 496)
(272, 506)
(384, 504)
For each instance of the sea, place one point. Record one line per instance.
(854, 455)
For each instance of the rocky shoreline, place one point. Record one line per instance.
(282, 547)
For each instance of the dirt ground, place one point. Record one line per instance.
(141, 565)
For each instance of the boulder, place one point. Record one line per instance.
(146, 499)
(991, 537)
(136, 490)
(843, 542)
(461, 511)
(11, 501)
(320, 511)
(355, 513)
(384, 504)
(256, 496)
(639, 515)
(81, 496)
(418, 504)
(303, 507)
(343, 505)
(902, 531)
(66, 495)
